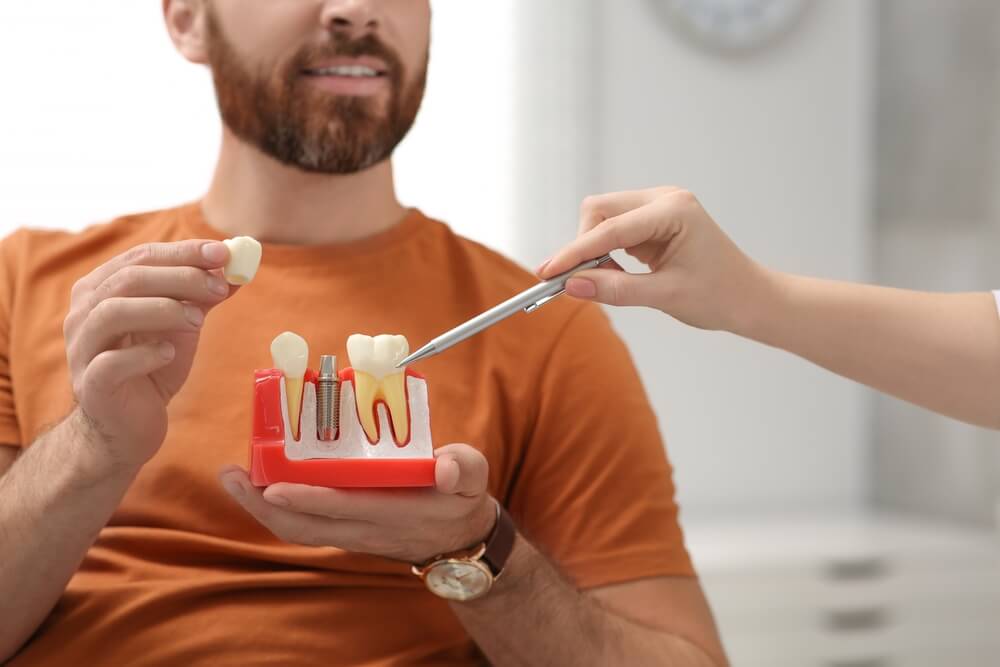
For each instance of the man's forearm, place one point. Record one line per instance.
(940, 351)
(533, 616)
(54, 501)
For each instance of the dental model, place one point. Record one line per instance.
(244, 259)
(290, 353)
(369, 428)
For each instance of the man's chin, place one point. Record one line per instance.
(333, 157)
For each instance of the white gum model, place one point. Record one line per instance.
(384, 413)
(244, 259)
(290, 354)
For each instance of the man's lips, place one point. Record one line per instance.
(372, 65)
(349, 76)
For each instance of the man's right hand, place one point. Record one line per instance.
(131, 335)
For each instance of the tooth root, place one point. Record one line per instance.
(290, 353)
(365, 390)
(293, 392)
(394, 393)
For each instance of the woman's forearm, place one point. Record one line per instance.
(940, 351)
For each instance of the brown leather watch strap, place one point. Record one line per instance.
(500, 542)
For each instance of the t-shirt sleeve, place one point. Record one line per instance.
(996, 295)
(10, 432)
(595, 490)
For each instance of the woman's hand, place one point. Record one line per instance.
(697, 274)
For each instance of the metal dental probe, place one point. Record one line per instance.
(529, 301)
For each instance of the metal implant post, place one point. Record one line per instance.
(327, 398)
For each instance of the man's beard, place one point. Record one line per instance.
(287, 117)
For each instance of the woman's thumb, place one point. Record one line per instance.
(613, 287)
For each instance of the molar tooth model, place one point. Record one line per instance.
(366, 426)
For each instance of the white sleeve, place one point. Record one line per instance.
(996, 295)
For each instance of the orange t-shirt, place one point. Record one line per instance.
(182, 575)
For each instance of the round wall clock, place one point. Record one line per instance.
(733, 25)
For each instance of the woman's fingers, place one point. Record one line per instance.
(616, 288)
(595, 209)
(658, 221)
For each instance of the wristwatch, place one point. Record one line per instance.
(469, 574)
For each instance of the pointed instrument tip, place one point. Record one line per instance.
(425, 351)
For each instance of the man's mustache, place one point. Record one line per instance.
(341, 46)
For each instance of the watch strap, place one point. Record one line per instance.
(500, 542)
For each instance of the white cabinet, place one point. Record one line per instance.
(854, 591)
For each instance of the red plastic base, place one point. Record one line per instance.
(269, 465)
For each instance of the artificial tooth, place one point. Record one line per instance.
(290, 353)
(244, 258)
(377, 378)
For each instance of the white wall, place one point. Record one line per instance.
(937, 227)
(777, 148)
(101, 117)
(458, 162)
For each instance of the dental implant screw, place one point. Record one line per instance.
(327, 398)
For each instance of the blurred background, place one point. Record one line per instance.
(847, 139)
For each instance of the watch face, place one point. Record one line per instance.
(459, 579)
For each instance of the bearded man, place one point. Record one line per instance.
(131, 535)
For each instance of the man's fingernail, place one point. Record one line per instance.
(194, 315)
(214, 251)
(581, 287)
(281, 501)
(233, 488)
(541, 267)
(217, 285)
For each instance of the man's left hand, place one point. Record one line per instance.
(411, 525)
